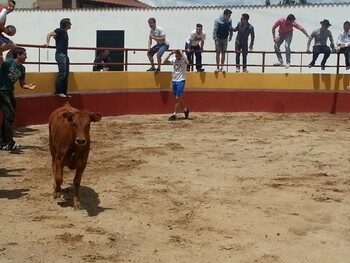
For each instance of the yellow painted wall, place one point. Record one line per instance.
(109, 81)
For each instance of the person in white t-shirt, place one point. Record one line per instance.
(5, 9)
(343, 43)
(180, 63)
(157, 34)
(195, 44)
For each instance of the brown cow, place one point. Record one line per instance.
(69, 139)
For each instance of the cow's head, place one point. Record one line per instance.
(80, 123)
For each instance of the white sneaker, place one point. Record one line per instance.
(279, 63)
(61, 95)
(222, 70)
(238, 70)
(245, 70)
(217, 70)
(287, 66)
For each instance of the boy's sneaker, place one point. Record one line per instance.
(187, 113)
(157, 70)
(172, 118)
(311, 65)
(238, 69)
(347, 67)
(287, 66)
(200, 70)
(222, 70)
(245, 70)
(62, 95)
(151, 69)
(323, 67)
(217, 70)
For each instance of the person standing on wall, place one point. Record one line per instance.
(61, 36)
(321, 35)
(5, 9)
(195, 43)
(343, 43)
(222, 34)
(244, 29)
(157, 34)
(285, 33)
(180, 63)
(11, 70)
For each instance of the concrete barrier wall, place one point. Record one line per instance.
(119, 93)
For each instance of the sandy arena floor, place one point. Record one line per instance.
(235, 187)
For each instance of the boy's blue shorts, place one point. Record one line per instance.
(178, 87)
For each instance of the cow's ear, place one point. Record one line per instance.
(68, 116)
(95, 117)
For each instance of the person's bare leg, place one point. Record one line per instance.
(217, 60)
(223, 54)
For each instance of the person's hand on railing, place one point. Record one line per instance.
(45, 45)
(339, 47)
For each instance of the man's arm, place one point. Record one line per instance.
(166, 60)
(202, 44)
(184, 57)
(48, 37)
(24, 85)
(216, 25)
(252, 38)
(231, 32)
(149, 42)
(308, 44)
(332, 41)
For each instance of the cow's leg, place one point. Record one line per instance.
(57, 166)
(77, 180)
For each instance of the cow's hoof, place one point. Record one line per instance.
(56, 194)
(77, 206)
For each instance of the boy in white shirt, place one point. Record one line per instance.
(343, 43)
(180, 63)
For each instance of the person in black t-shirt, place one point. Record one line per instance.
(61, 56)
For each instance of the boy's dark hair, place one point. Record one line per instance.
(152, 20)
(291, 17)
(12, 1)
(199, 25)
(245, 16)
(227, 12)
(346, 23)
(64, 22)
(18, 51)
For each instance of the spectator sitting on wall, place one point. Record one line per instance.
(321, 35)
(103, 58)
(343, 43)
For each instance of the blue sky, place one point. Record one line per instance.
(160, 3)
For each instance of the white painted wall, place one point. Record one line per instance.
(33, 25)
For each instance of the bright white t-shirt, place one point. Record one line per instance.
(158, 32)
(179, 69)
(196, 39)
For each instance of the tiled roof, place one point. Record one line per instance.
(129, 3)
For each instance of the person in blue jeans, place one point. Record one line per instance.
(11, 71)
(321, 36)
(244, 29)
(61, 36)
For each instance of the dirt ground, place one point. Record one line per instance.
(219, 187)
